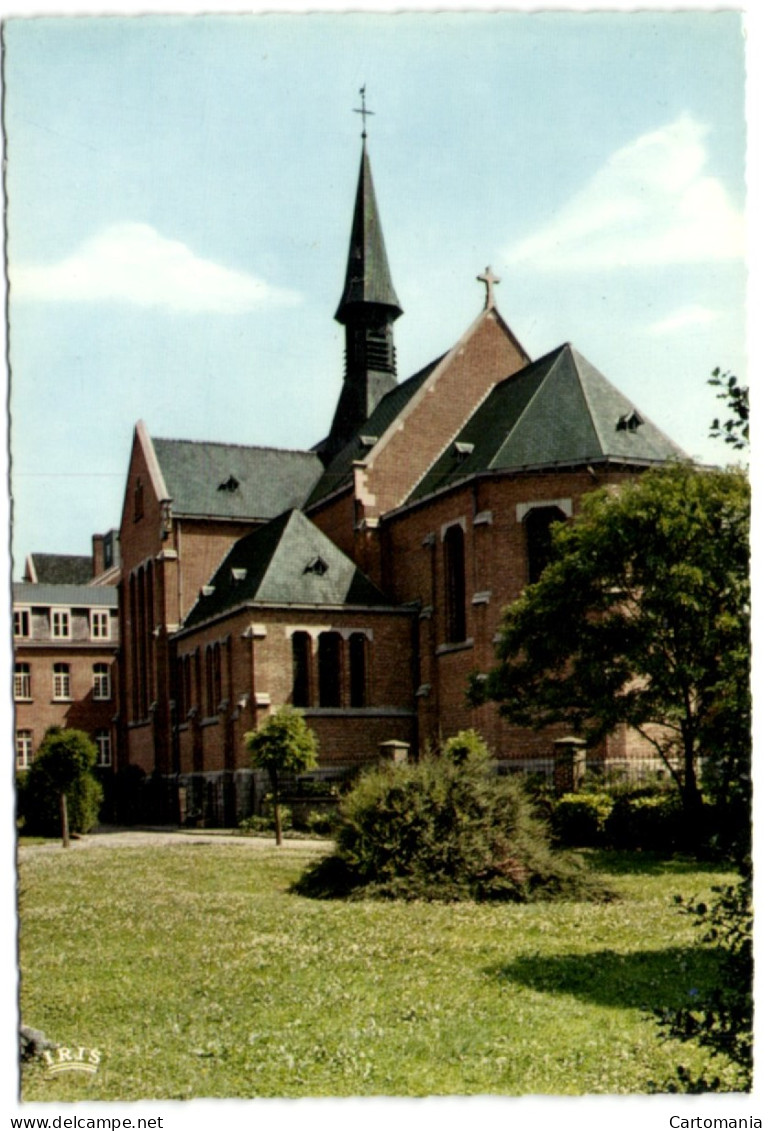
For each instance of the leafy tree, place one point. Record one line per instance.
(284, 744)
(734, 430)
(642, 619)
(721, 1021)
(445, 828)
(60, 781)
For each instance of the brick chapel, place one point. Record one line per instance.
(364, 580)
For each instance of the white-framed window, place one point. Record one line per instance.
(101, 677)
(61, 681)
(60, 624)
(23, 749)
(22, 681)
(21, 622)
(100, 624)
(104, 751)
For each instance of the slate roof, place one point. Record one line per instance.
(339, 472)
(233, 480)
(367, 270)
(289, 561)
(558, 410)
(60, 569)
(66, 596)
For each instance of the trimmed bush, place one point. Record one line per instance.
(580, 818)
(40, 791)
(652, 822)
(448, 829)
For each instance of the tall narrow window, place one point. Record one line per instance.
(329, 661)
(104, 752)
(101, 681)
(61, 681)
(357, 671)
(539, 541)
(217, 677)
(21, 622)
(23, 749)
(100, 624)
(22, 681)
(456, 619)
(60, 624)
(209, 664)
(139, 500)
(301, 643)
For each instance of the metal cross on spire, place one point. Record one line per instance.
(490, 279)
(362, 111)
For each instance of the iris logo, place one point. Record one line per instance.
(65, 1059)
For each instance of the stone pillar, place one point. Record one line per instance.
(393, 751)
(568, 764)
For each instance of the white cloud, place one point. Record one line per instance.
(133, 263)
(651, 203)
(683, 318)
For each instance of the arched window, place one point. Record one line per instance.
(61, 681)
(329, 662)
(22, 681)
(456, 613)
(209, 660)
(101, 681)
(539, 543)
(301, 644)
(357, 669)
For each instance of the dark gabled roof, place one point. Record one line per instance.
(558, 410)
(367, 270)
(59, 569)
(233, 480)
(339, 473)
(65, 596)
(289, 561)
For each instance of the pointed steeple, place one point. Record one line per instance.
(367, 270)
(368, 309)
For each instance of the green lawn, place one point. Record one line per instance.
(195, 973)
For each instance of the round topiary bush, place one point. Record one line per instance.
(64, 763)
(445, 828)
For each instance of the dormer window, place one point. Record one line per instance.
(238, 574)
(462, 450)
(629, 421)
(317, 566)
(230, 484)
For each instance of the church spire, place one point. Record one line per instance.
(368, 309)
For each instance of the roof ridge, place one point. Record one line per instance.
(229, 444)
(574, 354)
(519, 373)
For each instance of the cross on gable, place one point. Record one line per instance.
(490, 279)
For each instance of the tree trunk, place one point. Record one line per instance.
(277, 819)
(64, 820)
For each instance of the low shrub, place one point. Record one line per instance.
(320, 822)
(445, 828)
(651, 822)
(259, 823)
(580, 818)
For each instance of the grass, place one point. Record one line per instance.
(195, 973)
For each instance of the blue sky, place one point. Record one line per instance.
(180, 194)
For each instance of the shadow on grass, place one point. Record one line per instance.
(645, 863)
(669, 978)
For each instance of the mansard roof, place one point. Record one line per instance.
(65, 596)
(58, 569)
(559, 410)
(339, 472)
(289, 561)
(236, 481)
